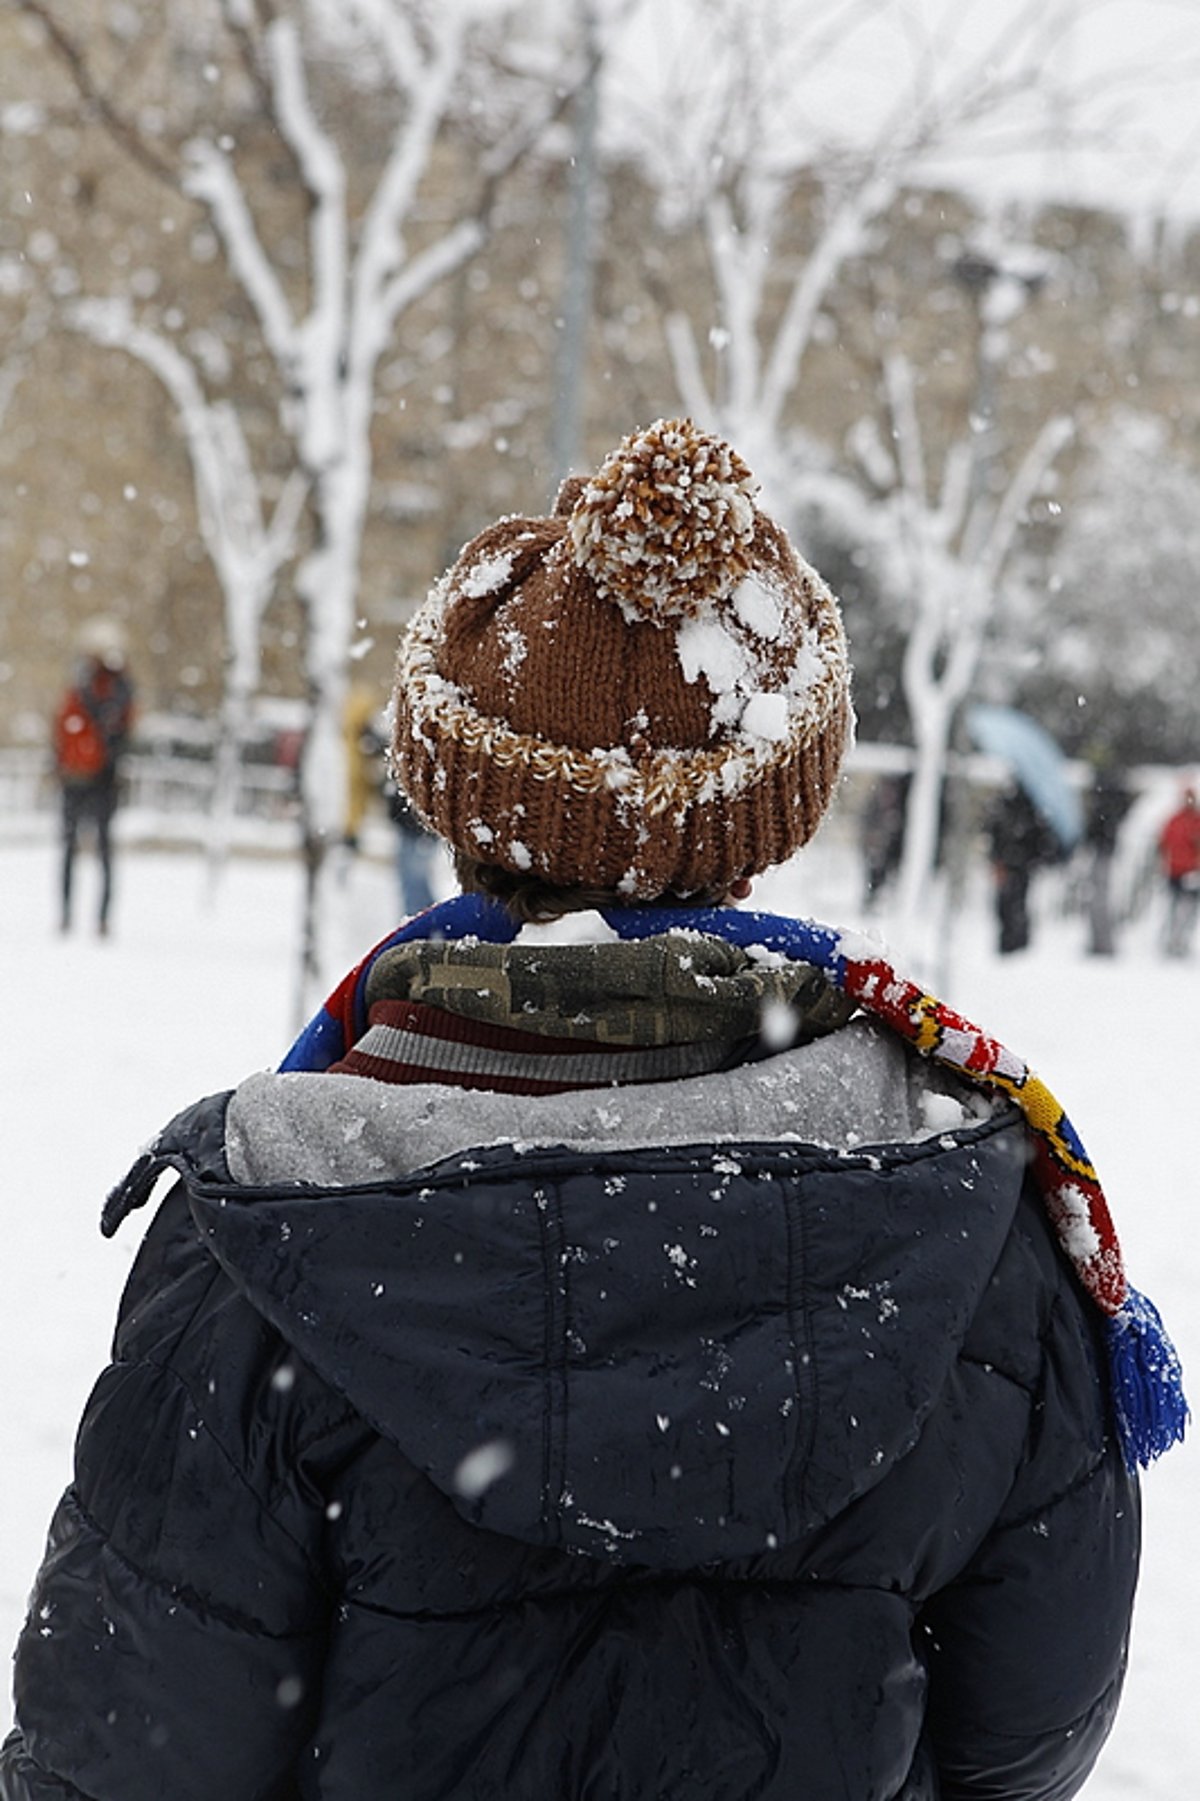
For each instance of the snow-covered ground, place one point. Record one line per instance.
(103, 1041)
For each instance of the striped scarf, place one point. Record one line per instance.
(1147, 1384)
(536, 1019)
(409, 1041)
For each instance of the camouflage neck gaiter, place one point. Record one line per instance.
(676, 989)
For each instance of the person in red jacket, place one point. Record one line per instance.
(1179, 853)
(91, 733)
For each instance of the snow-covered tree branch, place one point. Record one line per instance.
(209, 178)
(97, 101)
(694, 391)
(321, 167)
(393, 32)
(743, 126)
(247, 550)
(14, 363)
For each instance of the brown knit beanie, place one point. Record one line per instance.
(647, 692)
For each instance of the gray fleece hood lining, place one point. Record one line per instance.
(853, 1091)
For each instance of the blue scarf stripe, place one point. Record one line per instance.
(321, 1043)
(803, 940)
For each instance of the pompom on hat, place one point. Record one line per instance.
(647, 691)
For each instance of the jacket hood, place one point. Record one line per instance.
(667, 1325)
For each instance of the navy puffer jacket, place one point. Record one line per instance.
(623, 1469)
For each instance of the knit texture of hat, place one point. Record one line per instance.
(646, 692)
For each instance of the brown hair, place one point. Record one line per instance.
(533, 901)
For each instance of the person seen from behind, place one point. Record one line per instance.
(1019, 843)
(1179, 855)
(419, 856)
(881, 834)
(635, 1345)
(92, 727)
(1108, 801)
(418, 853)
(361, 746)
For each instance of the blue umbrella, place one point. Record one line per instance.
(1036, 761)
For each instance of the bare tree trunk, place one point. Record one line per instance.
(955, 548)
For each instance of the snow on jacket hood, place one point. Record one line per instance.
(669, 1325)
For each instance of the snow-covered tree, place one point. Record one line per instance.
(786, 189)
(14, 367)
(950, 545)
(1116, 649)
(790, 194)
(19, 345)
(247, 549)
(373, 248)
(25, 318)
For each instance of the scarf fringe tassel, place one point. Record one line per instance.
(1147, 1382)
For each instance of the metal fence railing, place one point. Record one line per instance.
(165, 793)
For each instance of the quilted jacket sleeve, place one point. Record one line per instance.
(1026, 1649)
(177, 1626)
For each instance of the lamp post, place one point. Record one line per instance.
(998, 288)
(571, 362)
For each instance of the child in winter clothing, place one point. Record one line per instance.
(636, 1347)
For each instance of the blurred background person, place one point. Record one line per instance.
(418, 854)
(1019, 843)
(881, 834)
(92, 726)
(1179, 856)
(417, 850)
(364, 747)
(1108, 802)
